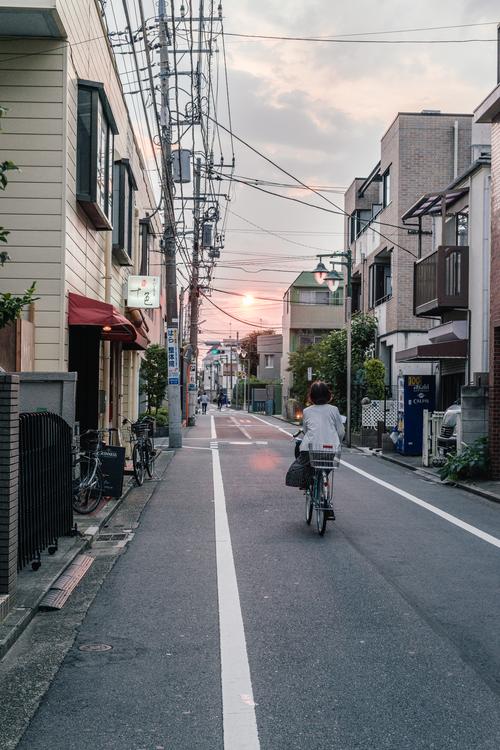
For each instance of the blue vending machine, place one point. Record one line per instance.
(415, 393)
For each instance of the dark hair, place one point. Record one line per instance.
(319, 393)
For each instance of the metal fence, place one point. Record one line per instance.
(45, 485)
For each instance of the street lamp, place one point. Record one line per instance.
(320, 272)
(333, 279)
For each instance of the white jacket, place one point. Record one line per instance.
(322, 425)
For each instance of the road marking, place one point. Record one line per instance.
(198, 448)
(432, 508)
(240, 428)
(213, 433)
(270, 424)
(238, 707)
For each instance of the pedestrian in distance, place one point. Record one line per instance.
(204, 403)
(220, 401)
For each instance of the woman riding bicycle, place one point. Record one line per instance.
(321, 425)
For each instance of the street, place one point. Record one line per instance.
(234, 626)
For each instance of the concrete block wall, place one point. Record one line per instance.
(9, 475)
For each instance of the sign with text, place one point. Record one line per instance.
(143, 291)
(112, 459)
(173, 356)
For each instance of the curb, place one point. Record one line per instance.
(20, 617)
(472, 489)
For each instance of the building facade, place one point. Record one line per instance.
(270, 351)
(81, 210)
(310, 312)
(417, 150)
(489, 112)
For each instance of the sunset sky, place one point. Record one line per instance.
(319, 110)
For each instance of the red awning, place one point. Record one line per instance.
(84, 311)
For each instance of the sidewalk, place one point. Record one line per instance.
(32, 586)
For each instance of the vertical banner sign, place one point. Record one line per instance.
(173, 356)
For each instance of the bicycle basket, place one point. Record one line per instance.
(324, 456)
(141, 429)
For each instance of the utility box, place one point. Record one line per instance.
(181, 165)
(48, 392)
(415, 393)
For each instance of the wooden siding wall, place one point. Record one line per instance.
(52, 241)
(31, 87)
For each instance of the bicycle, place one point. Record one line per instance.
(89, 485)
(143, 450)
(323, 459)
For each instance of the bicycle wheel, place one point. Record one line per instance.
(149, 457)
(322, 505)
(88, 490)
(138, 463)
(309, 506)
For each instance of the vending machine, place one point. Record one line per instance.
(415, 393)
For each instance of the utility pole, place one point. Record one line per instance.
(194, 294)
(169, 230)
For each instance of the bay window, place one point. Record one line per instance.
(124, 186)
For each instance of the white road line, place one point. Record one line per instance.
(423, 504)
(213, 433)
(238, 707)
(270, 424)
(197, 448)
(240, 428)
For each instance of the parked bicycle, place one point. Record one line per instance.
(143, 449)
(88, 486)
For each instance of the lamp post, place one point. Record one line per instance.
(333, 280)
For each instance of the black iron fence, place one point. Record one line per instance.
(45, 485)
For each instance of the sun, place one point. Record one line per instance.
(248, 300)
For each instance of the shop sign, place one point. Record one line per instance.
(143, 291)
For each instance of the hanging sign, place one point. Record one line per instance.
(143, 291)
(173, 356)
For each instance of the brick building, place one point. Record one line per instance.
(417, 150)
(489, 112)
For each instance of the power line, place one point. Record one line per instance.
(245, 322)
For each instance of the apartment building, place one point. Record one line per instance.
(451, 282)
(310, 312)
(81, 210)
(417, 150)
(270, 351)
(489, 112)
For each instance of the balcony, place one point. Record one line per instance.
(441, 281)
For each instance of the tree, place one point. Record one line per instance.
(248, 345)
(374, 371)
(334, 353)
(154, 376)
(299, 362)
(10, 306)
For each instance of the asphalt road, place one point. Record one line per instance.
(381, 635)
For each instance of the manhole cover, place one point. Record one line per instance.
(95, 647)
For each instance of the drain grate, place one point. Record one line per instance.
(112, 537)
(96, 648)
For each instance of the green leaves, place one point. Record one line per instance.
(11, 306)
(154, 376)
(473, 461)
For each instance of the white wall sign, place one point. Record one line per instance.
(143, 291)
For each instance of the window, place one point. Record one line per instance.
(462, 237)
(96, 128)
(124, 186)
(269, 361)
(147, 239)
(380, 280)
(314, 296)
(308, 339)
(359, 220)
(386, 188)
